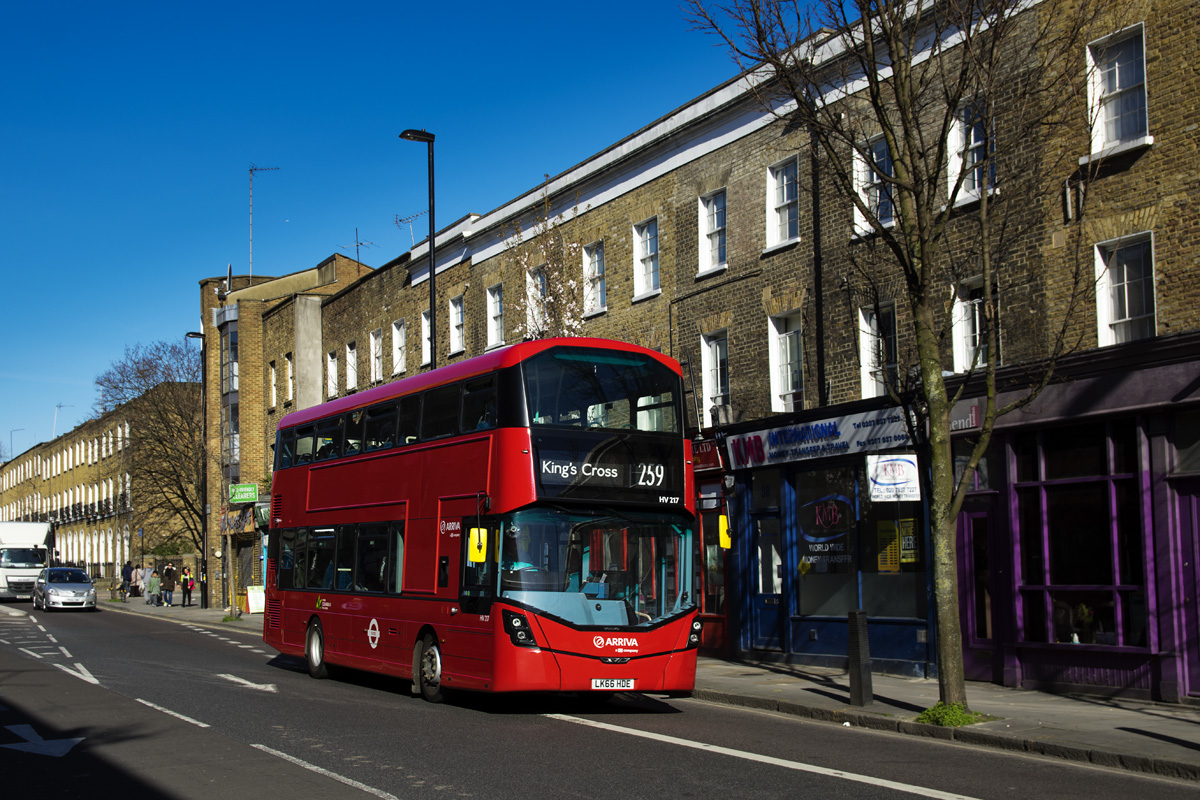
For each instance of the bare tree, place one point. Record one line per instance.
(158, 389)
(935, 122)
(549, 264)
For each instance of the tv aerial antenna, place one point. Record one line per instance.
(402, 221)
(254, 169)
(357, 243)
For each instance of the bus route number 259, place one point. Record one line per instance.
(650, 474)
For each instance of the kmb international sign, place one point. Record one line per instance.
(243, 492)
(839, 436)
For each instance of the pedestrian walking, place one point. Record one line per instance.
(154, 589)
(186, 584)
(135, 583)
(169, 580)
(126, 580)
(147, 570)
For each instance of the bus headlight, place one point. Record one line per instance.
(694, 634)
(518, 630)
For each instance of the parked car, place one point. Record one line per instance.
(63, 587)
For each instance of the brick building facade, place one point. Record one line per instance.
(717, 236)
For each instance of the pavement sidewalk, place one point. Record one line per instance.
(1156, 738)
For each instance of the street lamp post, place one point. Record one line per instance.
(203, 469)
(426, 137)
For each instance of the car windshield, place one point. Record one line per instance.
(588, 568)
(68, 576)
(22, 557)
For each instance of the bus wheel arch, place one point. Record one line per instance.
(314, 649)
(427, 666)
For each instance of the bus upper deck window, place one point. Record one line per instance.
(304, 444)
(379, 431)
(479, 404)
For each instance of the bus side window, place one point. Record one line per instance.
(410, 413)
(354, 432)
(380, 430)
(304, 444)
(343, 571)
(329, 439)
(285, 446)
(285, 558)
(440, 416)
(479, 404)
(370, 573)
(320, 558)
(300, 562)
(396, 570)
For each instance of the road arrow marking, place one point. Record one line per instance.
(82, 674)
(260, 687)
(37, 745)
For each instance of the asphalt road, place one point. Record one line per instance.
(168, 710)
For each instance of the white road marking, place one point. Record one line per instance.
(34, 743)
(778, 762)
(82, 673)
(30, 652)
(262, 687)
(327, 773)
(64, 652)
(169, 712)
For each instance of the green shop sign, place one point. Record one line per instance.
(243, 493)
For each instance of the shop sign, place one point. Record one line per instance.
(894, 478)
(965, 416)
(235, 522)
(243, 492)
(854, 433)
(705, 455)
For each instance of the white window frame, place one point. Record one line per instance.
(969, 327)
(274, 391)
(399, 347)
(1107, 331)
(457, 319)
(595, 290)
(495, 325)
(377, 355)
(535, 302)
(714, 368)
(713, 228)
(331, 388)
(871, 187)
(872, 347)
(645, 259)
(291, 378)
(784, 331)
(351, 367)
(783, 208)
(1103, 142)
(966, 151)
(426, 347)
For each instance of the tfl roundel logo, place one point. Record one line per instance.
(598, 641)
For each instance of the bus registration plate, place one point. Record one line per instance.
(618, 684)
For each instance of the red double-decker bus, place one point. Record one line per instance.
(519, 521)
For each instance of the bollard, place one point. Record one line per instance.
(859, 651)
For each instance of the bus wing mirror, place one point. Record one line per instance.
(723, 531)
(477, 547)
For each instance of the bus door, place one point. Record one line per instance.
(467, 634)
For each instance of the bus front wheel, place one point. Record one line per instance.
(429, 670)
(314, 651)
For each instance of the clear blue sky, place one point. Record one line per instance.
(128, 130)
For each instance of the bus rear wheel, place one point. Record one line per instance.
(429, 670)
(314, 651)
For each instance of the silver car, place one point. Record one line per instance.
(64, 587)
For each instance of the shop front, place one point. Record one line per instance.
(828, 518)
(1078, 544)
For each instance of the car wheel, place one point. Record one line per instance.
(314, 651)
(429, 670)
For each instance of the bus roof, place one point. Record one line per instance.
(491, 361)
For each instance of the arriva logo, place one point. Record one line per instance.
(614, 641)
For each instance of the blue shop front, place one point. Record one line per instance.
(828, 517)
